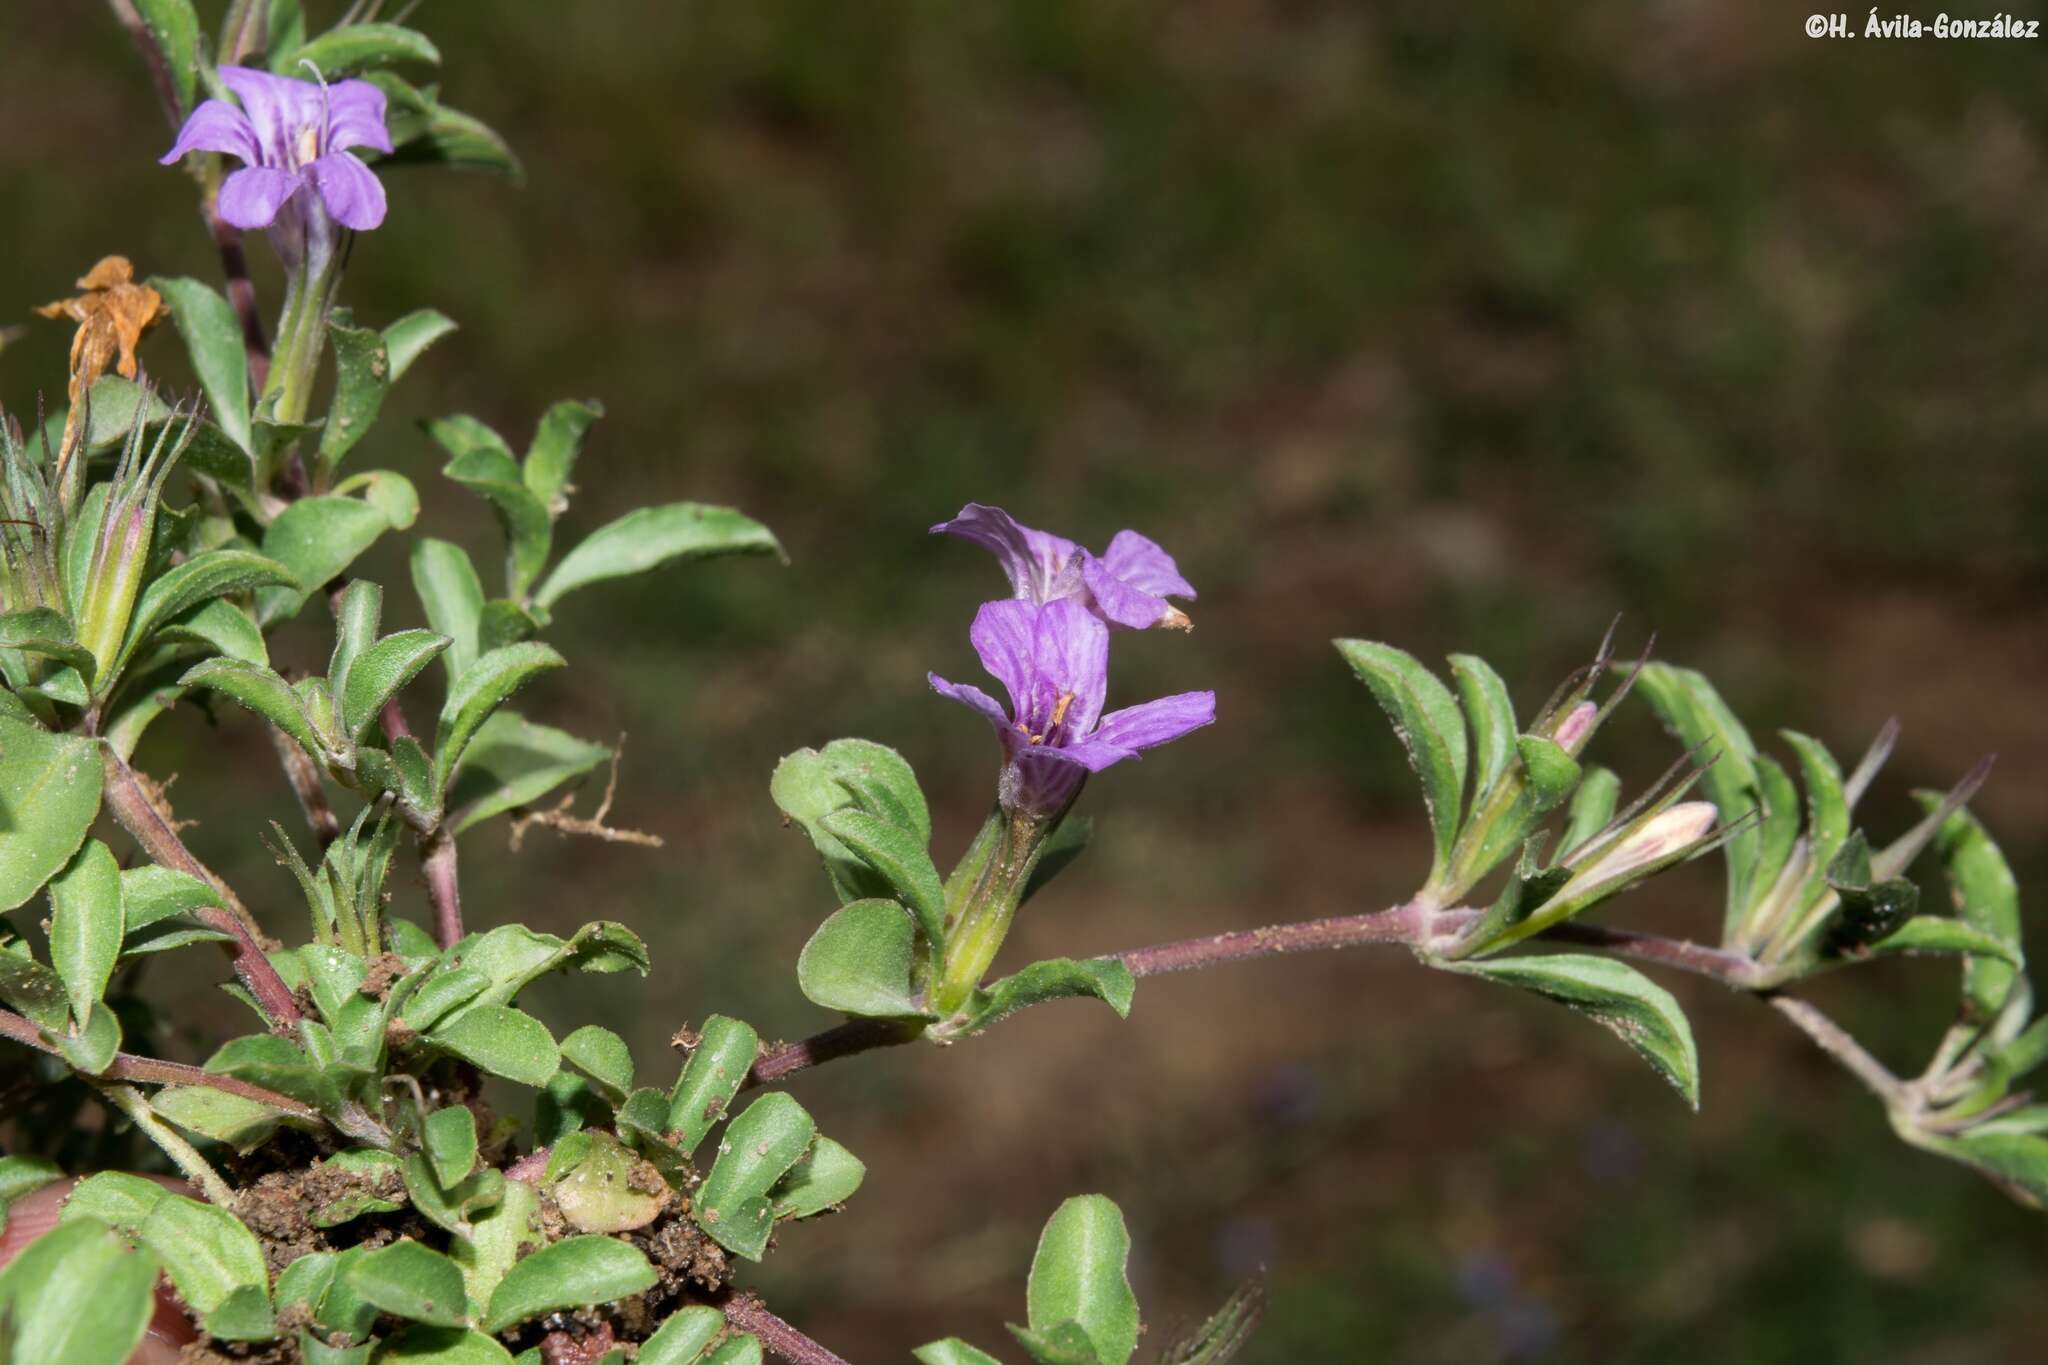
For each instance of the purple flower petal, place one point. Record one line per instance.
(1003, 636)
(968, 695)
(1041, 566)
(1092, 754)
(251, 197)
(1070, 664)
(1156, 722)
(355, 117)
(280, 109)
(216, 126)
(1123, 604)
(1140, 562)
(352, 193)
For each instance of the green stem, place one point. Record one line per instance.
(183, 1154)
(1008, 849)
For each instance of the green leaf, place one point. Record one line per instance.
(1105, 978)
(20, 1175)
(38, 630)
(453, 597)
(412, 1282)
(718, 1066)
(390, 493)
(79, 1295)
(1426, 718)
(1065, 1343)
(492, 473)
(91, 1049)
(425, 131)
(497, 1239)
(759, 1147)
(591, 1176)
(899, 857)
(374, 1180)
(213, 337)
(276, 1064)
(881, 783)
(568, 1274)
(1780, 828)
(316, 539)
(215, 573)
(423, 1345)
(826, 1178)
(454, 1209)
(601, 1055)
(244, 1315)
(1078, 1276)
(649, 537)
(684, 1337)
(742, 1349)
(221, 626)
(811, 784)
(207, 1251)
(49, 794)
(1694, 712)
(859, 961)
(33, 989)
(241, 1123)
(1491, 716)
(481, 689)
(262, 691)
(1987, 899)
(953, 1351)
(174, 30)
(502, 1041)
(449, 1138)
(1618, 998)
(349, 48)
(1827, 810)
(513, 762)
(552, 455)
(383, 669)
(406, 338)
(2015, 1162)
(86, 926)
(1934, 934)
(362, 375)
(1593, 802)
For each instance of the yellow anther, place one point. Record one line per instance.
(1059, 709)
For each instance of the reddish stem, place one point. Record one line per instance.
(747, 1313)
(154, 1071)
(252, 965)
(437, 862)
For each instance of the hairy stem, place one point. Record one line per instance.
(155, 1071)
(139, 814)
(1833, 1040)
(1731, 969)
(437, 862)
(747, 1313)
(1410, 924)
(183, 1154)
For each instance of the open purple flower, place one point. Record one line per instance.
(292, 137)
(1126, 585)
(1054, 660)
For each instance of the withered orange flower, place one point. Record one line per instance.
(112, 314)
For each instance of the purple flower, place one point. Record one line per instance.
(1054, 660)
(1127, 585)
(292, 136)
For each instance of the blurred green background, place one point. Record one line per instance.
(1462, 330)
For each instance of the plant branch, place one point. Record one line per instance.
(1833, 1040)
(137, 809)
(127, 1066)
(747, 1313)
(1410, 924)
(1730, 969)
(139, 813)
(183, 1154)
(437, 862)
(856, 1035)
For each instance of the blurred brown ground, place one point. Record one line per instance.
(1457, 330)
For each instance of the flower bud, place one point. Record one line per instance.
(1664, 838)
(1576, 727)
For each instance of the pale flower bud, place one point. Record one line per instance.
(1665, 835)
(1576, 727)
